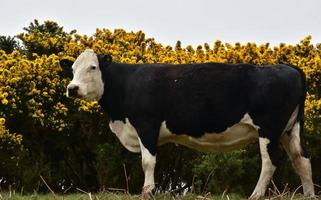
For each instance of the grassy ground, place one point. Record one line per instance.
(111, 196)
(114, 196)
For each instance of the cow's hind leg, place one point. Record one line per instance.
(293, 145)
(270, 157)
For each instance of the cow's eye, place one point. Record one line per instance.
(93, 67)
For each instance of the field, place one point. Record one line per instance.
(272, 193)
(114, 196)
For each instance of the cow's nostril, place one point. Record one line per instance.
(73, 90)
(76, 87)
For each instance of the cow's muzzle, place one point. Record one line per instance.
(72, 91)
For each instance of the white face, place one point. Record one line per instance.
(87, 80)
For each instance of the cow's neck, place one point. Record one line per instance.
(113, 99)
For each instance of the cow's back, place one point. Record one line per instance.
(198, 98)
(193, 99)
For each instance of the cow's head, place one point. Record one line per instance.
(87, 82)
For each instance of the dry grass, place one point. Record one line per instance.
(273, 193)
(112, 196)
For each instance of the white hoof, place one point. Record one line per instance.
(256, 195)
(147, 192)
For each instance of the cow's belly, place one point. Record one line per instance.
(234, 137)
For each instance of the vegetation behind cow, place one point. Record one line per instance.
(68, 142)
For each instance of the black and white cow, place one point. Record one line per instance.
(210, 107)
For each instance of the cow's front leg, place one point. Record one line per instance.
(148, 133)
(148, 164)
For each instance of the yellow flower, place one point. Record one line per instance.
(4, 101)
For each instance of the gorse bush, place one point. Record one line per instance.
(10, 148)
(44, 39)
(68, 141)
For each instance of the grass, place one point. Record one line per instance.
(272, 194)
(118, 196)
(111, 196)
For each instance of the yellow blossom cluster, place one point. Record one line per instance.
(36, 87)
(6, 137)
(32, 88)
(90, 107)
(47, 38)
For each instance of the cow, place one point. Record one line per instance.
(210, 107)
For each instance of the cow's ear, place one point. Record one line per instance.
(66, 64)
(104, 60)
(66, 67)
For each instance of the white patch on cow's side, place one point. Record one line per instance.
(301, 164)
(87, 76)
(292, 120)
(148, 164)
(126, 134)
(267, 170)
(234, 137)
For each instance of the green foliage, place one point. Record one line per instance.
(10, 150)
(234, 172)
(9, 44)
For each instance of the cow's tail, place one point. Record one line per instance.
(300, 116)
